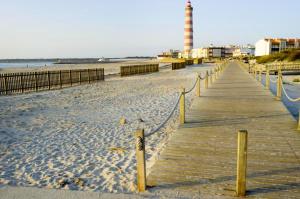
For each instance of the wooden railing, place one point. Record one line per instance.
(282, 66)
(280, 88)
(138, 69)
(11, 83)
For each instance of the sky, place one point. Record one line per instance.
(119, 28)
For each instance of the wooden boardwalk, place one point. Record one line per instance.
(199, 159)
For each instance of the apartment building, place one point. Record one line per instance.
(268, 46)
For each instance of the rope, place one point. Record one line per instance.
(173, 110)
(289, 98)
(162, 124)
(273, 81)
(187, 92)
(202, 78)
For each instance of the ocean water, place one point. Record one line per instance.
(25, 64)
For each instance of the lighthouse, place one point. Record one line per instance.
(188, 29)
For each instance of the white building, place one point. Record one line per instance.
(243, 51)
(268, 46)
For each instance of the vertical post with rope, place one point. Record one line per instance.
(206, 80)
(198, 85)
(241, 163)
(140, 160)
(279, 82)
(267, 79)
(182, 106)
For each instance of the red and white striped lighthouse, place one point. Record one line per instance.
(188, 29)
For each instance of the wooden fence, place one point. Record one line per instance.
(189, 62)
(178, 65)
(138, 69)
(11, 83)
(197, 61)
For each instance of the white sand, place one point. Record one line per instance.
(72, 139)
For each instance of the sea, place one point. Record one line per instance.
(34, 64)
(25, 64)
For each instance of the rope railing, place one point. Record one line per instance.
(140, 135)
(273, 81)
(202, 78)
(193, 87)
(280, 87)
(287, 96)
(172, 112)
(166, 120)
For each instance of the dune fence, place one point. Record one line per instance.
(13, 83)
(138, 69)
(178, 65)
(189, 62)
(197, 61)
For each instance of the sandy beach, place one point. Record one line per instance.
(72, 138)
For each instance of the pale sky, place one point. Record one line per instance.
(118, 28)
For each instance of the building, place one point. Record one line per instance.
(268, 46)
(170, 54)
(244, 51)
(188, 30)
(208, 52)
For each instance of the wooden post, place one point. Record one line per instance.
(89, 75)
(79, 76)
(267, 79)
(255, 74)
(211, 77)
(140, 160)
(49, 82)
(279, 81)
(60, 80)
(206, 80)
(198, 85)
(70, 75)
(35, 81)
(182, 106)
(22, 82)
(241, 163)
(6, 85)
